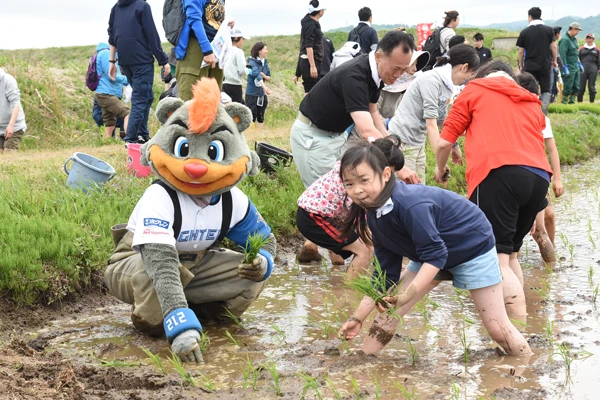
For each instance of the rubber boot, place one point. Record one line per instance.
(565, 99)
(545, 102)
(580, 97)
(572, 99)
(592, 97)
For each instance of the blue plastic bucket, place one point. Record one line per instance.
(87, 172)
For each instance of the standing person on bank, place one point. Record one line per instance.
(485, 55)
(235, 68)
(12, 118)
(569, 52)
(451, 21)
(363, 33)
(589, 55)
(132, 34)
(311, 45)
(538, 52)
(256, 92)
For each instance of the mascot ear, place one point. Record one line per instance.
(252, 166)
(166, 107)
(240, 114)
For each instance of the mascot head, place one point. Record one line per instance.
(200, 149)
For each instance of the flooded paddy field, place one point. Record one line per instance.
(286, 345)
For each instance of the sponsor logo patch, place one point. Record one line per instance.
(156, 222)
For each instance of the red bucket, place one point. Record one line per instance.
(133, 161)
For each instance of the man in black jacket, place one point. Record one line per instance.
(132, 33)
(363, 33)
(589, 55)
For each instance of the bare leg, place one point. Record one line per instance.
(550, 223)
(336, 259)
(543, 240)
(490, 305)
(384, 326)
(259, 126)
(362, 257)
(308, 253)
(108, 131)
(514, 296)
(125, 123)
(516, 266)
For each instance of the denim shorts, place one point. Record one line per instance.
(480, 272)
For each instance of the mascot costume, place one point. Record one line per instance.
(167, 263)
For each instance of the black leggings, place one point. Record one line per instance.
(258, 112)
(234, 91)
(511, 197)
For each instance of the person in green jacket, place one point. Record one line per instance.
(568, 48)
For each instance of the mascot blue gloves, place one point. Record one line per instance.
(167, 262)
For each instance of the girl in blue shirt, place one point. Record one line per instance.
(443, 234)
(256, 92)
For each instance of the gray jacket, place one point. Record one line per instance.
(10, 97)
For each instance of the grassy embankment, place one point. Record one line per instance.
(55, 239)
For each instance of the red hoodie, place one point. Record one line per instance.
(503, 124)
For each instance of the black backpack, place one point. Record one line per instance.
(173, 17)
(432, 46)
(354, 36)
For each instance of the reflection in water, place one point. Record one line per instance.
(300, 311)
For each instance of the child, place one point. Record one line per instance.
(235, 67)
(544, 227)
(323, 206)
(443, 234)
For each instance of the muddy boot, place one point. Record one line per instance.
(592, 97)
(580, 97)
(336, 259)
(308, 254)
(572, 99)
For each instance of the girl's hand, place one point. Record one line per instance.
(267, 91)
(351, 328)
(457, 158)
(558, 188)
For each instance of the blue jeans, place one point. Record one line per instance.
(141, 78)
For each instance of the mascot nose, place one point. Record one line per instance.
(195, 170)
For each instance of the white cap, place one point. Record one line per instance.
(236, 32)
(320, 7)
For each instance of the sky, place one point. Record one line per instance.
(57, 23)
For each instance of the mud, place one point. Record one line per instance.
(79, 349)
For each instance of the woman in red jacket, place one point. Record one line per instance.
(507, 170)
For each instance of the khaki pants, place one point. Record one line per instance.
(189, 71)
(414, 158)
(210, 283)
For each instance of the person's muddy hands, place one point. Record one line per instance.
(457, 157)
(256, 270)
(441, 177)
(558, 188)
(350, 329)
(187, 346)
(409, 176)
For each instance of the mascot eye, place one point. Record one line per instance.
(216, 152)
(182, 147)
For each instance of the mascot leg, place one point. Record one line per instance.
(216, 285)
(127, 280)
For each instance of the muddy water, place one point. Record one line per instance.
(299, 313)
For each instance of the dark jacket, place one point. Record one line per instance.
(590, 58)
(367, 37)
(257, 67)
(328, 51)
(311, 36)
(132, 31)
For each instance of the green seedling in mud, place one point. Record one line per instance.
(572, 251)
(355, 386)
(117, 363)
(550, 331)
(251, 374)
(459, 295)
(155, 358)
(463, 338)
(234, 318)
(232, 339)
(408, 395)
(413, 352)
(206, 384)
(592, 241)
(331, 385)
(271, 367)
(595, 295)
(377, 387)
(564, 238)
(564, 352)
(326, 266)
(204, 341)
(456, 392)
(591, 272)
(280, 333)
(254, 243)
(178, 365)
(548, 268)
(518, 323)
(309, 383)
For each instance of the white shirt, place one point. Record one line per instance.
(386, 208)
(548, 131)
(373, 65)
(235, 67)
(153, 217)
(536, 22)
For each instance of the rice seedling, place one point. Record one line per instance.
(309, 383)
(251, 375)
(377, 387)
(254, 243)
(271, 367)
(518, 323)
(455, 391)
(331, 385)
(591, 239)
(408, 395)
(591, 272)
(564, 352)
(232, 339)
(595, 295)
(550, 331)
(572, 250)
(234, 318)
(206, 383)
(355, 386)
(326, 265)
(178, 365)
(413, 352)
(117, 363)
(280, 333)
(204, 341)
(463, 338)
(564, 238)
(155, 358)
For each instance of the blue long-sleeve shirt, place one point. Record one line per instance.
(132, 31)
(257, 67)
(429, 225)
(203, 18)
(105, 84)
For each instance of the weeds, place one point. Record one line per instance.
(178, 365)
(155, 358)
(254, 243)
(271, 367)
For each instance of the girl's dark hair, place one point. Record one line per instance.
(495, 66)
(527, 81)
(371, 154)
(450, 16)
(460, 54)
(258, 46)
(314, 3)
(390, 147)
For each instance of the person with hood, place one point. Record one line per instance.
(109, 92)
(12, 118)
(508, 173)
(424, 106)
(589, 55)
(311, 45)
(348, 51)
(256, 92)
(569, 52)
(132, 34)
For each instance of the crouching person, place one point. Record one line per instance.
(167, 262)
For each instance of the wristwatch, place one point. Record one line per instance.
(113, 61)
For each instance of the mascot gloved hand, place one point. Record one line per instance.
(187, 346)
(257, 271)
